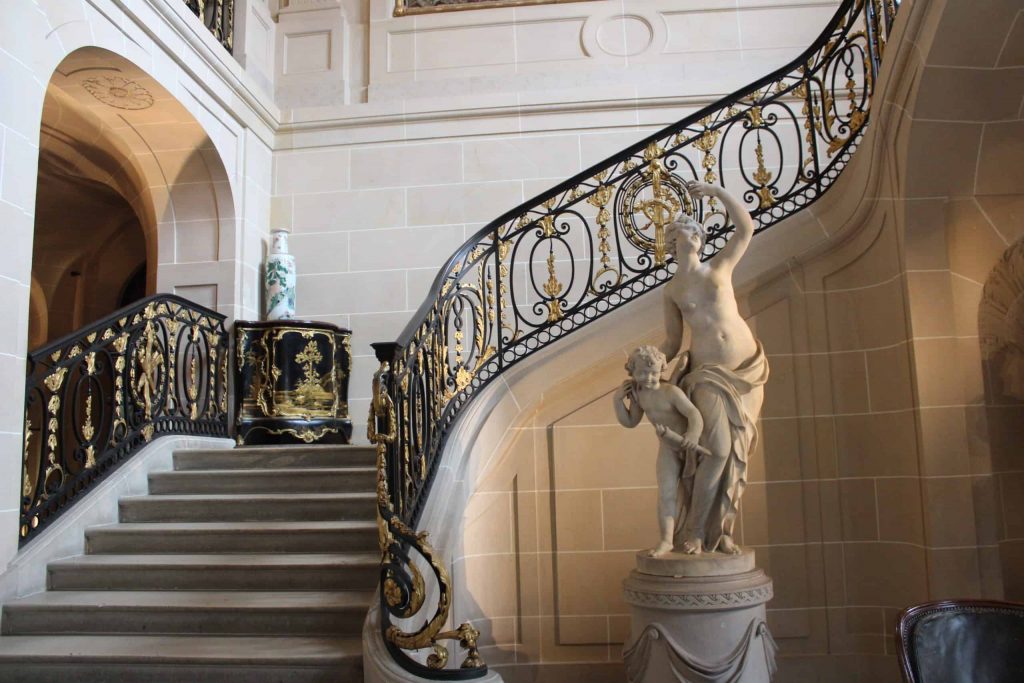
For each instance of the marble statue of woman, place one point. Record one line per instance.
(723, 373)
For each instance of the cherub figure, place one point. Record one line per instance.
(678, 424)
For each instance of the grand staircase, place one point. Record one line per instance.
(246, 565)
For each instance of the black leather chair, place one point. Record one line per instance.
(962, 641)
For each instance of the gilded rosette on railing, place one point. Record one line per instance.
(156, 367)
(403, 591)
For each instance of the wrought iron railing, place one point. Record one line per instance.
(92, 398)
(218, 16)
(597, 241)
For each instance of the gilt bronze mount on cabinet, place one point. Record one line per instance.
(291, 382)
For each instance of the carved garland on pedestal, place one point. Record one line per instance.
(688, 667)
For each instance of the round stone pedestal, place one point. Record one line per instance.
(699, 618)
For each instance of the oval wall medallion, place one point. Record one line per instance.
(625, 35)
(118, 92)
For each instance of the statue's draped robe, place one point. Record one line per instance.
(735, 410)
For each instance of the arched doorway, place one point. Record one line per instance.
(130, 189)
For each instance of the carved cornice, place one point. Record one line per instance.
(181, 21)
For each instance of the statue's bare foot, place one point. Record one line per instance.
(660, 549)
(727, 545)
(692, 547)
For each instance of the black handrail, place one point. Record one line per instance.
(594, 242)
(158, 366)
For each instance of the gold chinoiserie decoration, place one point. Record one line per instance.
(291, 381)
(403, 589)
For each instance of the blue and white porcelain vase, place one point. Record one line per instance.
(279, 279)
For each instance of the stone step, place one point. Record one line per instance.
(296, 480)
(334, 571)
(174, 659)
(188, 612)
(248, 507)
(279, 457)
(233, 537)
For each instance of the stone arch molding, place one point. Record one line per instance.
(1001, 323)
(111, 122)
(636, 34)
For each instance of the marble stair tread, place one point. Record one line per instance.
(267, 526)
(194, 600)
(188, 612)
(263, 480)
(256, 497)
(258, 527)
(250, 457)
(246, 507)
(244, 572)
(326, 536)
(174, 649)
(220, 560)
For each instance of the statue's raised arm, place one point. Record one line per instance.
(736, 247)
(722, 372)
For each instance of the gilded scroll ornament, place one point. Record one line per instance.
(308, 435)
(406, 596)
(150, 361)
(762, 176)
(27, 486)
(599, 200)
(553, 288)
(88, 431)
(56, 379)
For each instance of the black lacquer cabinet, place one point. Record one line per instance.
(291, 382)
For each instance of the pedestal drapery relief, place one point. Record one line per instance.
(706, 415)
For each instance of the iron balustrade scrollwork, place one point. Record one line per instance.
(598, 240)
(403, 591)
(92, 398)
(218, 16)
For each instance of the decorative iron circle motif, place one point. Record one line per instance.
(118, 92)
(636, 211)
